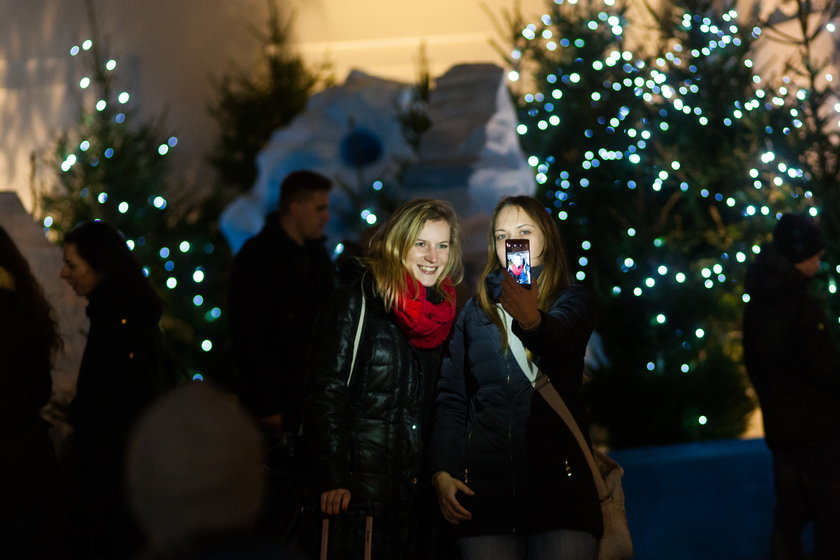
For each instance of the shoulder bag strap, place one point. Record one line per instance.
(550, 394)
(358, 338)
(542, 384)
(516, 348)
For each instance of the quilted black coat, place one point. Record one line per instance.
(365, 434)
(495, 433)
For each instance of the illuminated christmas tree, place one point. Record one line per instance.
(662, 169)
(113, 166)
(806, 127)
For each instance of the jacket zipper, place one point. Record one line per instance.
(466, 466)
(510, 444)
(510, 435)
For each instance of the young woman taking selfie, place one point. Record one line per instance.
(508, 472)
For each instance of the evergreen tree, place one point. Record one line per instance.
(660, 167)
(113, 166)
(805, 126)
(254, 102)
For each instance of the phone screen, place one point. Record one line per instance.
(518, 258)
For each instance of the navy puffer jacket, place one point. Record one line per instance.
(494, 432)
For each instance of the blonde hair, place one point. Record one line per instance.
(555, 271)
(390, 245)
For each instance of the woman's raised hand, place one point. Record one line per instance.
(520, 302)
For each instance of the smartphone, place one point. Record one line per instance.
(518, 258)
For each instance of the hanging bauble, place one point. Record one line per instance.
(360, 147)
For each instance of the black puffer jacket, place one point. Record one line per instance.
(367, 435)
(789, 354)
(493, 431)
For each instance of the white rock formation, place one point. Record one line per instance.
(312, 141)
(470, 155)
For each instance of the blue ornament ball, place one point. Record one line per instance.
(360, 147)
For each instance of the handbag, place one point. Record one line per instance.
(616, 542)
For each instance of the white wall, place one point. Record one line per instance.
(168, 50)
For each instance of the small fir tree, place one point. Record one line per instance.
(254, 102)
(113, 166)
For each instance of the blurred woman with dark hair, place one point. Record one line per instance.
(28, 471)
(124, 367)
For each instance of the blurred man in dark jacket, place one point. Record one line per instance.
(791, 360)
(279, 279)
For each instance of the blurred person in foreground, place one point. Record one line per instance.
(29, 340)
(195, 477)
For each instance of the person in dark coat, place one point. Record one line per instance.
(509, 474)
(791, 359)
(366, 410)
(124, 367)
(29, 470)
(278, 282)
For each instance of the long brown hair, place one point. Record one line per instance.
(390, 245)
(24, 284)
(555, 276)
(104, 248)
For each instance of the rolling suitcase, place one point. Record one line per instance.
(359, 520)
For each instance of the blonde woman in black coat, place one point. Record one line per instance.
(365, 419)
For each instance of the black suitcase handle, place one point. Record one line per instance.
(360, 506)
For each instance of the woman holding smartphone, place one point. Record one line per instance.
(366, 408)
(508, 472)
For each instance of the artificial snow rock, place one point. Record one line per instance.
(470, 155)
(335, 135)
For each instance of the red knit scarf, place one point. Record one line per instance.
(425, 324)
